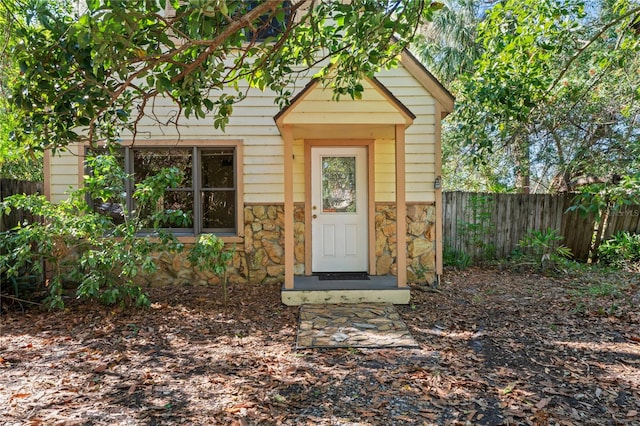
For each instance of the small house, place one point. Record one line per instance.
(339, 201)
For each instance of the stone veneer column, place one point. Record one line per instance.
(420, 241)
(264, 243)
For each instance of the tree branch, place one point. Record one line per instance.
(586, 46)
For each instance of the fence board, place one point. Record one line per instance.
(612, 224)
(10, 187)
(498, 219)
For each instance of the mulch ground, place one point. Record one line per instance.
(495, 348)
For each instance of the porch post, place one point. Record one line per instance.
(439, 207)
(287, 135)
(401, 208)
(47, 174)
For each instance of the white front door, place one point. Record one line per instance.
(339, 209)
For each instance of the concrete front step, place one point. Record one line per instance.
(397, 296)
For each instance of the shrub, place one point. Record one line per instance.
(208, 254)
(543, 248)
(621, 251)
(477, 230)
(101, 257)
(456, 259)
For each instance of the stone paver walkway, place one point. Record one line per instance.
(352, 326)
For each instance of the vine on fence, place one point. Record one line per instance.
(476, 231)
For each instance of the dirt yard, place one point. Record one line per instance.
(495, 348)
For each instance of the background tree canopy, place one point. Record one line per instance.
(93, 72)
(548, 92)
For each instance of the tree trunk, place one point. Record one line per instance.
(523, 164)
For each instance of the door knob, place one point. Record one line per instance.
(314, 216)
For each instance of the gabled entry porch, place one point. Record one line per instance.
(330, 220)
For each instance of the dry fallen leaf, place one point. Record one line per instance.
(100, 368)
(132, 389)
(19, 395)
(176, 354)
(543, 403)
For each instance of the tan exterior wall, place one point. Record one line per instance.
(64, 173)
(385, 170)
(298, 171)
(252, 122)
(420, 136)
(372, 108)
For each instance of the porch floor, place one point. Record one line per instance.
(377, 289)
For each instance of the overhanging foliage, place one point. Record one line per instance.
(88, 75)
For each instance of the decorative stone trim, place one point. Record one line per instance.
(298, 238)
(264, 242)
(260, 258)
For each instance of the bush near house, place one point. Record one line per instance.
(101, 255)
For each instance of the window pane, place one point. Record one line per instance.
(217, 169)
(113, 206)
(148, 162)
(219, 210)
(338, 184)
(172, 202)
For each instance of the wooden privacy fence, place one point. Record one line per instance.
(12, 187)
(480, 223)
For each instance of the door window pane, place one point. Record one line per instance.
(338, 184)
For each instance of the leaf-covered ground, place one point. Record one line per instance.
(496, 348)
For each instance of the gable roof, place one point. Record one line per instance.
(428, 81)
(395, 111)
(417, 71)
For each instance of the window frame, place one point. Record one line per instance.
(197, 147)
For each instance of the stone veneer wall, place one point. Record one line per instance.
(264, 242)
(259, 259)
(421, 260)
